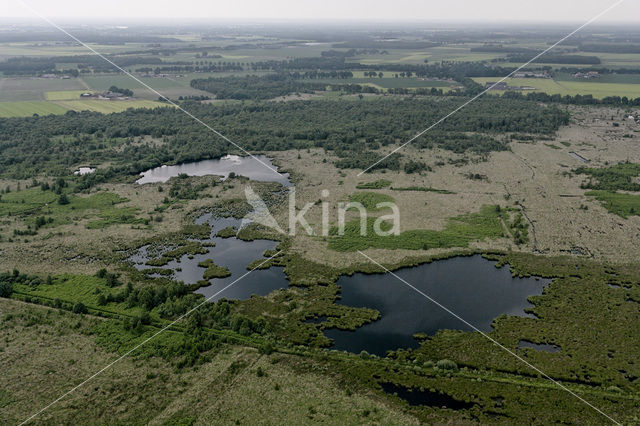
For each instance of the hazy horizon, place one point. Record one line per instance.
(453, 11)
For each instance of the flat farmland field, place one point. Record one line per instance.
(433, 54)
(46, 48)
(34, 88)
(27, 108)
(106, 107)
(172, 87)
(390, 82)
(552, 87)
(63, 95)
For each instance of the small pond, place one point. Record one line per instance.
(522, 344)
(231, 253)
(251, 167)
(417, 397)
(470, 286)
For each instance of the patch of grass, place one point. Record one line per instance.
(618, 177)
(227, 232)
(459, 232)
(62, 95)
(183, 248)
(376, 184)
(213, 270)
(622, 204)
(599, 90)
(32, 203)
(552, 146)
(72, 289)
(370, 200)
(28, 108)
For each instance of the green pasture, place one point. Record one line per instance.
(34, 88)
(63, 95)
(101, 209)
(586, 87)
(28, 108)
(107, 106)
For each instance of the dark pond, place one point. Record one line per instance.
(471, 286)
(538, 346)
(231, 253)
(425, 397)
(243, 166)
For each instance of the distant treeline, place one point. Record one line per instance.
(352, 52)
(454, 70)
(93, 63)
(601, 70)
(36, 65)
(321, 63)
(204, 67)
(574, 100)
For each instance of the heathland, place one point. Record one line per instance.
(545, 181)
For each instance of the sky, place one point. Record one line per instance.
(373, 10)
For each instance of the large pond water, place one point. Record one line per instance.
(470, 286)
(255, 168)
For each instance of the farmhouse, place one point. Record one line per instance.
(587, 75)
(531, 74)
(492, 85)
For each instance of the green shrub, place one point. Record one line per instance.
(447, 364)
(79, 308)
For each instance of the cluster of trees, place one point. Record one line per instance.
(124, 92)
(600, 70)
(310, 63)
(373, 74)
(41, 65)
(573, 100)
(315, 74)
(210, 67)
(8, 279)
(53, 144)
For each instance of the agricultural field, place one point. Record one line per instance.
(106, 107)
(65, 95)
(570, 87)
(33, 88)
(28, 108)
